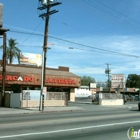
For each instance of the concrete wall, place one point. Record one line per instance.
(35, 103)
(29, 103)
(111, 102)
(19, 100)
(54, 103)
(72, 95)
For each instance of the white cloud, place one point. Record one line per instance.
(119, 63)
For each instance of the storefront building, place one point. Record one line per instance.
(29, 78)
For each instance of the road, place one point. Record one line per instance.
(93, 123)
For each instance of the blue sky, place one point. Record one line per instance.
(99, 31)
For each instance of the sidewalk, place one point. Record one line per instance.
(72, 107)
(4, 110)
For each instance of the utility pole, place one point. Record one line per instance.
(3, 68)
(107, 71)
(46, 4)
(3, 33)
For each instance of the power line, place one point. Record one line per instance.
(118, 12)
(91, 50)
(88, 46)
(95, 47)
(117, 17)
(137, 28)
(31, 33)
(71, 26)
(66, 59)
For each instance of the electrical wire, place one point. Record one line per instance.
(117, 17)
(137, 28)
(94, 47)
(80, 44)
(65, 59)
(93, 51)
(31, 33)
(118, 12)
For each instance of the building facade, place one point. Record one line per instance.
(29, 78)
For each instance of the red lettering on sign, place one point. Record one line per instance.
(49, 80)
(25, 79)
(69, 81)
(73, 82)
(55, 81)
(60, 81)
(31, 79)
(0, 77)
(15, 78)
(8, 77)
(28, 79)
(66, 81)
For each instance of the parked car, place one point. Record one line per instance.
(136, 98)
(130, 98)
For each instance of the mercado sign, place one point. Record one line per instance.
(17, 78)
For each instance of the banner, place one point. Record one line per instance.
(31, 59)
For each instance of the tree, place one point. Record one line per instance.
(85, 80)
(12, 51)
(133, 80)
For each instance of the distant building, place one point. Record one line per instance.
(83, 91)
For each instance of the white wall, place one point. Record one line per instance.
(82, 92)
(111, 102)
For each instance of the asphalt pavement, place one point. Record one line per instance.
(72, 106)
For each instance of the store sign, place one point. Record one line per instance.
(18, 78)
(118, 81)
(92, 85)
(60, 81)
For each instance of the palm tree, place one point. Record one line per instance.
(12, 51)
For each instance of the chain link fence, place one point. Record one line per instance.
(56, 95)
(110, 96)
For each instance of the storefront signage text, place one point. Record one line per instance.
(60, 81)
(18, 78)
